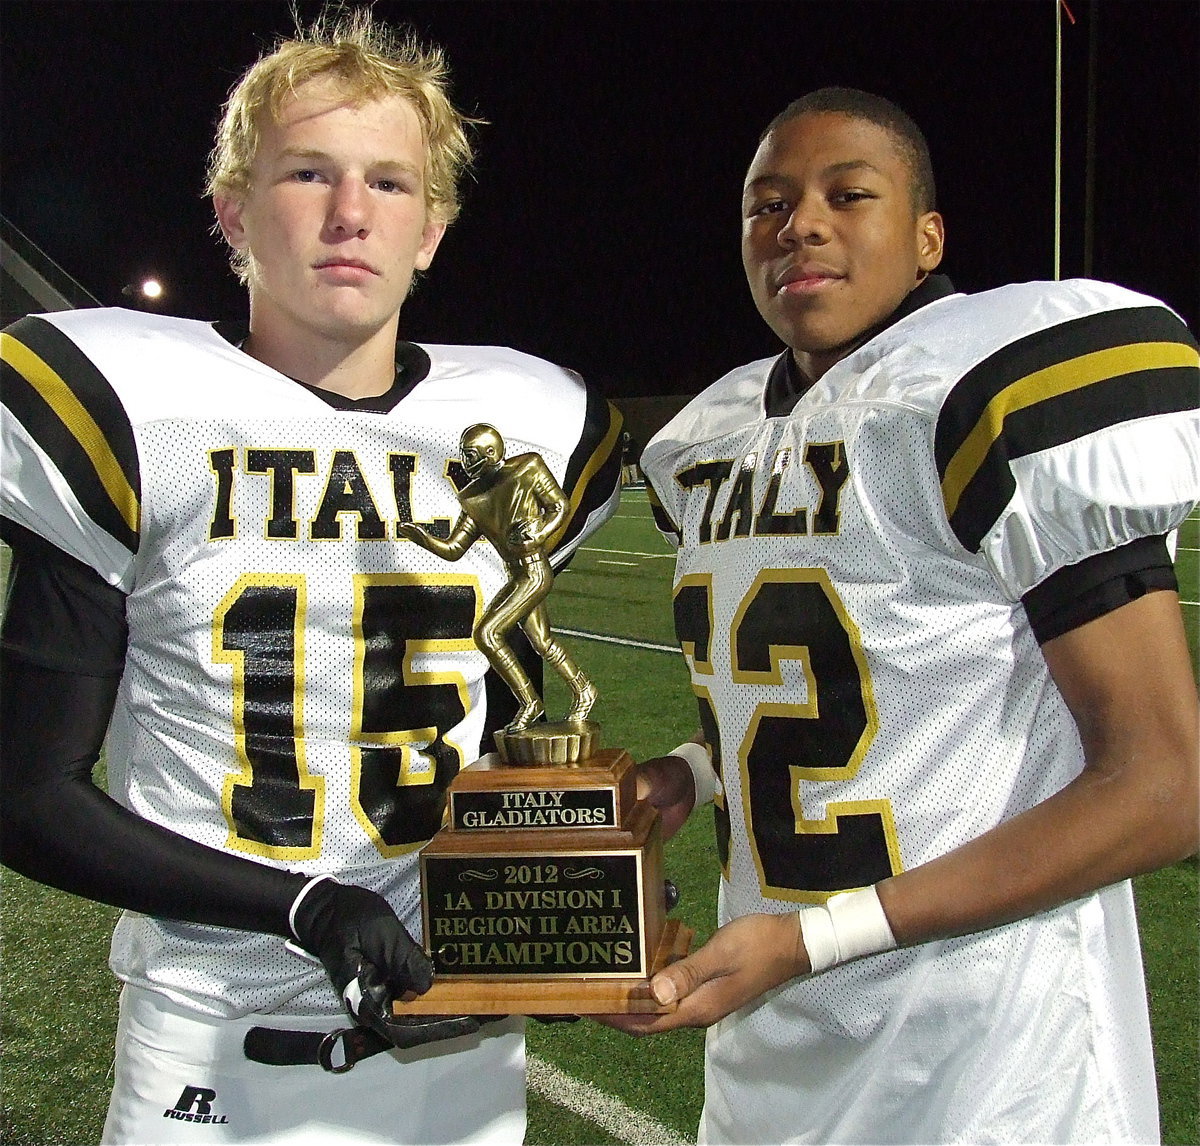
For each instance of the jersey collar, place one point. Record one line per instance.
(412, 366)
(786, 385)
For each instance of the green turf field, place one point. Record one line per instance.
(587, 1084)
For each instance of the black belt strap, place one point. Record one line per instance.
(313, 1048)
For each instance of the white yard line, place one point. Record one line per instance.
(624, 552)
(607, 1112)
(626, 641)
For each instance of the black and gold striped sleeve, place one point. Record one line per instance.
(66, 406)
(594, 469)
(1049, 388)
(662, 520)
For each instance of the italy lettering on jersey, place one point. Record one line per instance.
(300, 685)
(848, 598)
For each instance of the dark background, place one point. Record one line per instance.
(601, 228)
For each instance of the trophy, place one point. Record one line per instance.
(544, 893)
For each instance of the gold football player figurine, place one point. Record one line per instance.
(517, 505)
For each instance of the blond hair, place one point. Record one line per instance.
(369, 61)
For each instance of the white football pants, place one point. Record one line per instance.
(183, 1078)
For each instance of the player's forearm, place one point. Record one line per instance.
(58, 828)
(75, 838)
(1127, 680)
(1116, 820)
(1102, 828)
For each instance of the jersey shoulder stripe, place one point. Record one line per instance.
(593, 470)
(1050, 387)
(69, 409)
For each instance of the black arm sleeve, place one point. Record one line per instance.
(61, 654)
(1079, 593)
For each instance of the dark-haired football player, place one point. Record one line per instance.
(931, 621)
(207, 568)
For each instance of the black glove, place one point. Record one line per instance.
(371, 960)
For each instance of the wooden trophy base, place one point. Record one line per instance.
(533, 996)
(545, 893)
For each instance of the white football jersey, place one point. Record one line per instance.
(300, 686)
(848, 596)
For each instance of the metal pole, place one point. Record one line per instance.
(1057, 140)
(1089, 184)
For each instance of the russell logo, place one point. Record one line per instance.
(195, 1105)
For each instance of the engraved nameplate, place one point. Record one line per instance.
(555, 914)
(487, 810)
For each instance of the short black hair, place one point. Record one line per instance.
(883, 113)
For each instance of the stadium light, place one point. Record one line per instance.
(147, 292)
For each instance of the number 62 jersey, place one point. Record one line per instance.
(849, 597)
(300, 686)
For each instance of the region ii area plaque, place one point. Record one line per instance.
(544, 894)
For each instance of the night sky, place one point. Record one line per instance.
(601, 227)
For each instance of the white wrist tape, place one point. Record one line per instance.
(352, 996)
(845, 927)
(699, 760)
(316, 879)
